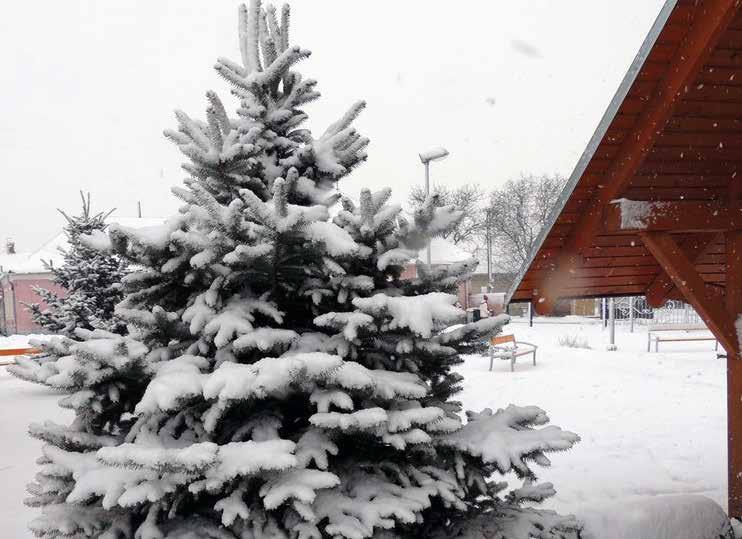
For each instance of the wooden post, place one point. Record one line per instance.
(734, 375)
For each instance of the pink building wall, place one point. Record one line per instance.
(22, 292)
(17, 289)
(463, 293)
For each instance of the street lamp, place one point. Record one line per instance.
(434, 154)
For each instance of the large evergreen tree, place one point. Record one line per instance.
(280, 380)
(91, 280)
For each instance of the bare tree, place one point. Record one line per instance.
(516, 213)
(468, 198)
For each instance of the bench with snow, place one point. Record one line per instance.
(677, 333)
(12, 352)
(687, 516)
(506, 347)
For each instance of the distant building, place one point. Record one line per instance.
(20, 273)
(442, 253)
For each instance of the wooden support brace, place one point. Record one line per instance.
(685, 277)
(659, 290)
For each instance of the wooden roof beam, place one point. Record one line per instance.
(710, 21)
(686, 279)
(673, 216)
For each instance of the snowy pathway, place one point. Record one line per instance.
(650, 423)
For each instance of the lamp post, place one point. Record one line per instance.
(488, 241)
(434, 154)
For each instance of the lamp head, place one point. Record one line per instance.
(434, 154)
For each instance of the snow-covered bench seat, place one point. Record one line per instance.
(7, 355)
(677, 333)
(506, 347)
(657, 517)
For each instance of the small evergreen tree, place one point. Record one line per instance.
(91, 279)
(280, 380)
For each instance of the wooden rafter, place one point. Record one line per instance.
(660, 289)
(710, 20)
(709, 305)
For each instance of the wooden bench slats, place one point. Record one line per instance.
(502, 339)
(656, 333)
(671, 339)
(19, 351)
(509, 353)
(678, 327)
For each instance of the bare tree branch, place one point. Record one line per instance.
(517, 212)
(468, 198)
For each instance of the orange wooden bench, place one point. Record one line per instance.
(16, 352)
(506, 347)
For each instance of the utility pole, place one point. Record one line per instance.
(488, 240)
(427, 194)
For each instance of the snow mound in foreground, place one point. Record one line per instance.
(658, 517)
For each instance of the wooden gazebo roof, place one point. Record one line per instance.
(673, 133)
(654, 206)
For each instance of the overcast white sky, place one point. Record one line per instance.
(87, 87)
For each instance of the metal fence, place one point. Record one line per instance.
(633, 311)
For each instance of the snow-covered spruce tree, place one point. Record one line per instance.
(280, 380)
(418, 441)
(92, 280)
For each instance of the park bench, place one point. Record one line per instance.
(12, 352)
(506, 347)
(682, 333)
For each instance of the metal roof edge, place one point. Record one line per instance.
(595, 140)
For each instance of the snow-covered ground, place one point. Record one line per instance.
(19, 341)
(20, 404)
(651, 423)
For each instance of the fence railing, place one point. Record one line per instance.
(632, 311)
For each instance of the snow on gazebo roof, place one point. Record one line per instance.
(33, 262)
